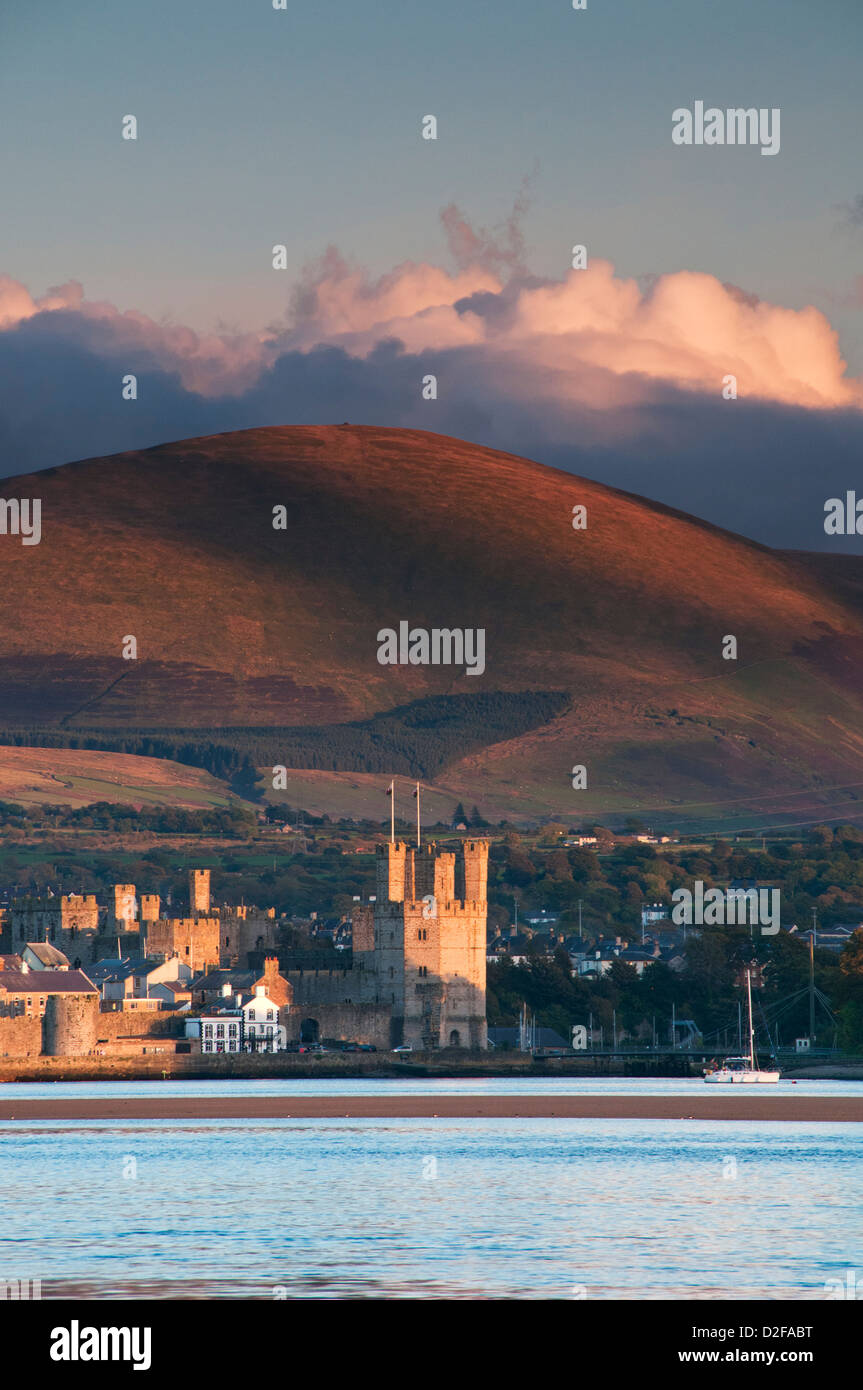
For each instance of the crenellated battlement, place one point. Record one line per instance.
(408, 875)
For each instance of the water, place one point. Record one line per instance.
(422, 1086)
(478, 1208)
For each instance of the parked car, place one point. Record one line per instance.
(405, 1047)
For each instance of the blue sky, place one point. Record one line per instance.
(302, 127)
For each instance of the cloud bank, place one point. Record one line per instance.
(615, 378)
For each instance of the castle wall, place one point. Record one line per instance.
(80, 1031)
(242, 930)
(115, 1025)
(361, 1023)
(70, 923)
(363, 929)
(336, 987)
(194, 939)
(21, 1036)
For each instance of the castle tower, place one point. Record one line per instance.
(150, 907)
(390, 862)
(69, 1024)
(424, 870)
(125, 907)
(476, 871)
(444, 879)
(430, 948)
(199, 892)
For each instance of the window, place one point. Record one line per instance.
(269, 1014)
(251, 1015)
(220, 1030)
(208, 1047)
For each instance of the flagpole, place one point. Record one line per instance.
(393, 811)
(418, 816)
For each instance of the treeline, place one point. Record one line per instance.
(822, 873)
(415, 740)
(109, 815)
(420, 739)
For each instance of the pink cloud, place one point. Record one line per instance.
(591, 337)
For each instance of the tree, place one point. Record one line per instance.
(851, 959)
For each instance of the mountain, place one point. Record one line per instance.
(607, 642)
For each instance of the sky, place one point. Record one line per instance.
(302, 127)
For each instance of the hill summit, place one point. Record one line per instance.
(255, 572)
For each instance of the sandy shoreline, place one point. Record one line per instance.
(727, 1106)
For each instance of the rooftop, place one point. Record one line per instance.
(46, 982)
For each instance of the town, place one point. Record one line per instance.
(434, 961)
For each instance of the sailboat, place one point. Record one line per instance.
(742, 1071)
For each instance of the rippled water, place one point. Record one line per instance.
(424, 1086)
(430, 1208)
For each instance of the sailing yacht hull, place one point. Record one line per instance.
(723, 1077)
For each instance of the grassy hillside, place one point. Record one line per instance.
(245, 627)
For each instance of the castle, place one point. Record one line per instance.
(417, 974)
(426, 948)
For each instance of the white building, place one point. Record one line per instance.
(249, 1023)
(262, 1031)
(222, 1032)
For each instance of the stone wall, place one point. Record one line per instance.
(356, 986)
(20, 1037)
(84, 1028)
(194, 939)
(360, 1023)
(116, 1024)
(243, 931)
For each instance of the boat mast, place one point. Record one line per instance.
(751, 1029)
